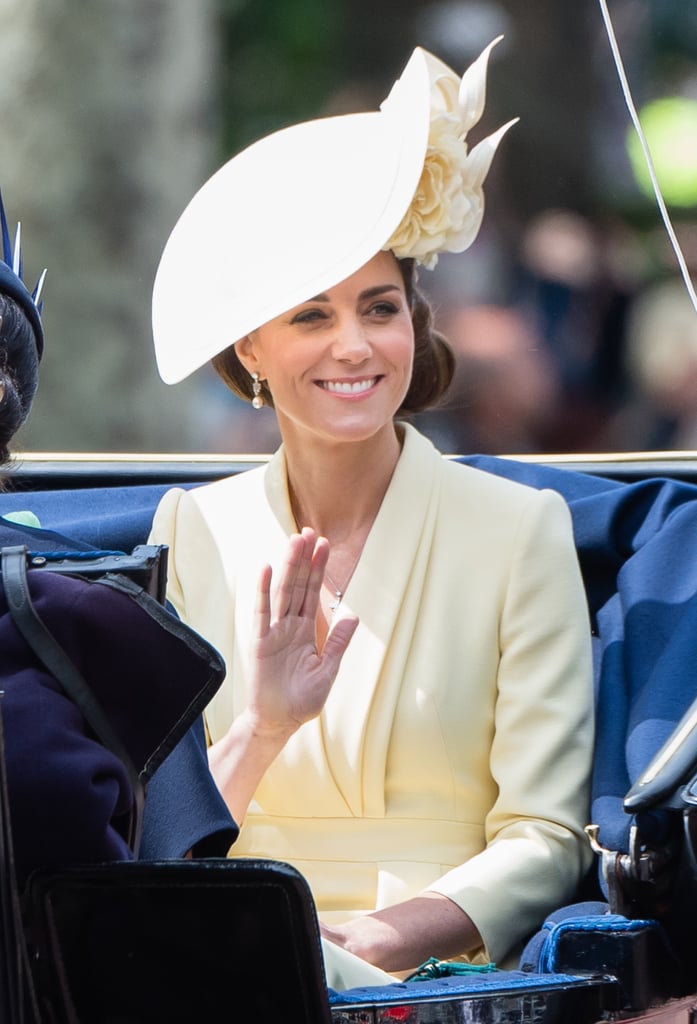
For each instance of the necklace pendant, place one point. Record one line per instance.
(337, 601)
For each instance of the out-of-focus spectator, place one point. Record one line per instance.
(662, 366)
(559, 252)
(576, 288)
(504, 393)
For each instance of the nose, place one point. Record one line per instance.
(351, 343)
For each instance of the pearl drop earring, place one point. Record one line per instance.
(257, 400)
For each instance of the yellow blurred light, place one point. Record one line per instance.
(670, 127)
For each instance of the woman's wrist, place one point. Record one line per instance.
(239, 760)
(257, 729)
(401, 937)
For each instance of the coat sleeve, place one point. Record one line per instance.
(184, 811)
(163, 531)
(536, 851)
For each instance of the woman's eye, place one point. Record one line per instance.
(383, 309)
(308, 316)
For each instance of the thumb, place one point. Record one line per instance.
(338, 640)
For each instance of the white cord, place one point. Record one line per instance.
(647, 154)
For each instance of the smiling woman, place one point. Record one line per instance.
(432, 356)
(339, 365)
(406, 640)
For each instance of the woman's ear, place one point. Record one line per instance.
(246, 354)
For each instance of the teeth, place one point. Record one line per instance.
(348, 387)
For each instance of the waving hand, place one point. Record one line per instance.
(290, 678)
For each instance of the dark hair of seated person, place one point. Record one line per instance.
(19, 371)
(21, 340)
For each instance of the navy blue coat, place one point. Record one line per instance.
(70, 797)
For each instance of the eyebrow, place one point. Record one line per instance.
(369, 293)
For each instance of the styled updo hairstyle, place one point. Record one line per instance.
(19, 371)
(434, 362)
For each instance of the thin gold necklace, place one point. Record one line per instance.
(339, 591)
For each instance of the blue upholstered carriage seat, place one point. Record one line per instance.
(637, 546)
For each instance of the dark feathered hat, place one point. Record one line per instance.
(11, 282)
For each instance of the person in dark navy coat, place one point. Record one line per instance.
(71, 798)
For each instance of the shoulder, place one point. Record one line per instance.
(472, 496)
(498, 494)
(180, 509)
(220, 491)
(505, 517)
(244, 481)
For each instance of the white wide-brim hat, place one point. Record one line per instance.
(291, 216)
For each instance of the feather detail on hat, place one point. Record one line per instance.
(11, 283)
(446, 211)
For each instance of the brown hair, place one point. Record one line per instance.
(434, 362)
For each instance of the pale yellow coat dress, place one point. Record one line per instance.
(453, 753)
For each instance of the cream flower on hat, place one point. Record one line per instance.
(447, 209)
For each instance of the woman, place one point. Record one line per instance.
(434, 794)
(71, 796)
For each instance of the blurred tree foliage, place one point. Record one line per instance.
(673, 29)
(279, 62)
(108, 124)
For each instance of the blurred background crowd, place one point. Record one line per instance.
(572, 328)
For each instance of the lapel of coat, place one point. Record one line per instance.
(352, 735)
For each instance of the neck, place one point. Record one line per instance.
(337, 489)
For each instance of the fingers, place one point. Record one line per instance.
(263, 602)
(300, 580)
(290, 587)
(318, 565)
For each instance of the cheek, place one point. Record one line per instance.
(402, 351)
(284, 376)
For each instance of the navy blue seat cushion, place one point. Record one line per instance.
(451, 988)
(114, 518)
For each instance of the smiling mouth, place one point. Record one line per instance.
(348, 387)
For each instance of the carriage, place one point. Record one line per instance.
(214, 939)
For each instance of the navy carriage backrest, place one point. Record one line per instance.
(637, 547)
